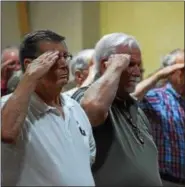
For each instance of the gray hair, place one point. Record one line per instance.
(81, 60)
(109, 43)
(170, 58)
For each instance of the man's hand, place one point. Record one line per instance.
(121, 61)
(144, 86)
(7, 69)
(166, 71)
(40, 66)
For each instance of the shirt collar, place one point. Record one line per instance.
(40, 107)
(131, 100)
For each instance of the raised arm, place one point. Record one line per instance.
(91, 76)
(14, 111)
(99, 97)
(144, 86)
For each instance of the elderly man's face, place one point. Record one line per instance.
(132, 75)
(58, 75)
(81, 75)
(12, 55)
(178, 77)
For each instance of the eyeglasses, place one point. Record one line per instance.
(66, 56)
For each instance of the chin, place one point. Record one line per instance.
(130, 90)
(62, 82)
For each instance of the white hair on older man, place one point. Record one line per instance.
(81, 60)
(170, 58)
(109, 43)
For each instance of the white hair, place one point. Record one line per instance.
(81, 60)
(170, 58)
(109, 43)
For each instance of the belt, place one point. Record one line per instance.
(170, 178)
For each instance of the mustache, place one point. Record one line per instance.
(135, 79)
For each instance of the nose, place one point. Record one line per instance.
(17, 67)
(136, 71)
(62, 63)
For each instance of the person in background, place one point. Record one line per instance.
(80, 65)
(46, 137)
(165, 108)
(126, 152)
(14, 81)
(10, 69)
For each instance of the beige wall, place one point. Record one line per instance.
(62, 17)
(90, 23)
(77, 21)
(74, 20)
(9, 24)
(158, 26)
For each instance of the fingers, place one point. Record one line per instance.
(11, 67)
(127, 56)
(48, 58)
(8, 63)
(47, 55)
(175, 67)
(179, 66)
(121, 57)
(52, 58)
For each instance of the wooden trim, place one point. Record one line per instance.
(23, 17)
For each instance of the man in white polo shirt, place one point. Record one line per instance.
(46, 137)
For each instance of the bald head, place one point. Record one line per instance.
(11, 54)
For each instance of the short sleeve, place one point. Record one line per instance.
(150, 100)
(4, 99)
(24, 130)
(78, 95)
(92, 145)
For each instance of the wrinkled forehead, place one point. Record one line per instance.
(45, 46)
(133, 51)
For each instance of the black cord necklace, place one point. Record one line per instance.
(129, 119)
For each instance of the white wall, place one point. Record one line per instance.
(64, 18)
(9, 24)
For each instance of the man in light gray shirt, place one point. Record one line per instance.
(46, 137)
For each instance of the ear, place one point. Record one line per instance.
(91, 63)
(78, 77)
(103, 66)
(27, 61)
